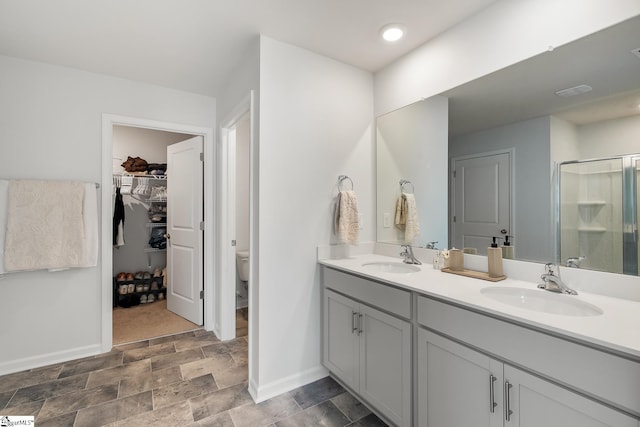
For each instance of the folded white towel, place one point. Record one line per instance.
(45, 225)
(412, 225)
(347, 219)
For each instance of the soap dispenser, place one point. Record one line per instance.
(494, 259)
(507, 249)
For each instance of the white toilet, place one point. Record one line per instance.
(242, 281)
(242, 260)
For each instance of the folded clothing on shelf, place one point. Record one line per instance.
(157, 239)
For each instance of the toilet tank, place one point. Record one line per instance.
(242, 260)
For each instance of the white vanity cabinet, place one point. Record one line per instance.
(458, 386)
(367, 343)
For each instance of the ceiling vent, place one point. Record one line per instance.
(636, 52)
(573, 91)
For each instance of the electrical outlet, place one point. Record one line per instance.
(386, 220)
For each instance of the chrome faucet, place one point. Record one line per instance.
(407, 254)
(553, 283)
(431, 245)
(574, 261)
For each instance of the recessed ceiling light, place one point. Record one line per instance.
(393, 32)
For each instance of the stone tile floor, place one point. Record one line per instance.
(189, 379)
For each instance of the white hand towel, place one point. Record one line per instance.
(412, 225)
(45, 227)
(401, 212)
(347, 218)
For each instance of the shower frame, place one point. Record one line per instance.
(630, 168)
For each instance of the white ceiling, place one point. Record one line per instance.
(526, 90)
(193, 45)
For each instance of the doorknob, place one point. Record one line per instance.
(167, 236)
(504, 231)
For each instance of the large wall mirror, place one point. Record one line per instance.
(526, 152)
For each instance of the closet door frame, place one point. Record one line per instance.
(108, 121)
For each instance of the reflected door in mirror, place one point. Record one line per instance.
(481, 199)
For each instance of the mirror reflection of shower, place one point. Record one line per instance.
(599, 214)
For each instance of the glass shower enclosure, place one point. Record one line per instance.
(598, 214)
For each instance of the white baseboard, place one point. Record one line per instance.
(260, 393)
(12, 366)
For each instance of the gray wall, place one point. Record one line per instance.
(532, 222)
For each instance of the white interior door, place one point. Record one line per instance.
(481, 200)
(184, 216)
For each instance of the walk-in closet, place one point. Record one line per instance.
(140, 194)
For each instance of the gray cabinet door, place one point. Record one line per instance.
(341, 340)
(456, 385)
(536, 402)
(385, 364)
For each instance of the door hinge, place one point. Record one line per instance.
(233, 243)
(201, 294)
(201, 225)
(454, 218)
(454, 174)
(202, 157)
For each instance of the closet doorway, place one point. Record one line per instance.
(154, 297)
(146, 253)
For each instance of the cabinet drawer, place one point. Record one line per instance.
(393, 300)
(608, 377)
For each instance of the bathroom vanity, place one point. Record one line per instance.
(422, 347)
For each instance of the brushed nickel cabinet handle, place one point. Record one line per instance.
(507, 405)
(354, 316)
(492, 399)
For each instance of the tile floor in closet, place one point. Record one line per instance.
(180, 380)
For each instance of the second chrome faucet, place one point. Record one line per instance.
(553, 283)
(407, 255)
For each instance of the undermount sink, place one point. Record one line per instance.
(541, 301)
(391, 267)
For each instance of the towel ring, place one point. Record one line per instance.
(342, 178)
(403, 182)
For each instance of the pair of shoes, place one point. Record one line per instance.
(151, 298)
(139, 275)
(157, 272)
(129, 277)
(146, 275)
(154, 285)
(143, 299)
(121, 277)
(160, 296)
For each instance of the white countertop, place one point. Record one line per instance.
(617, 329)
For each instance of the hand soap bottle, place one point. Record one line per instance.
(494, 259)
(507, 249)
